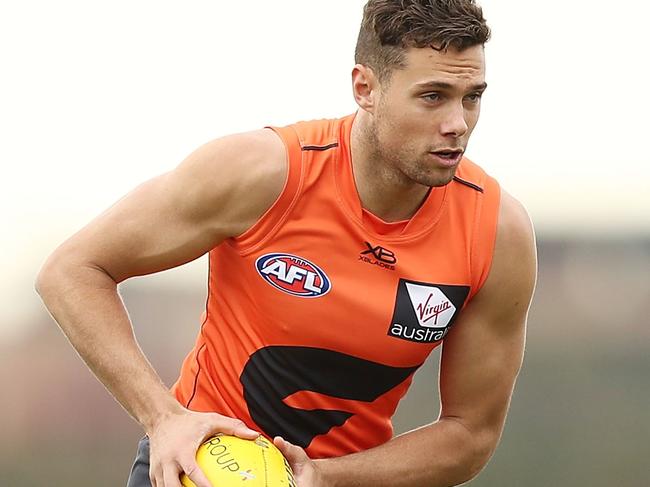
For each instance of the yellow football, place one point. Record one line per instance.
(229, 461)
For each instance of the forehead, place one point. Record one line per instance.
(452, 66)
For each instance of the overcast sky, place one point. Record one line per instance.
(97, 97)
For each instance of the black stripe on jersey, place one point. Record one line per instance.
(320, 147)
(198, 352)
(196, 377)
(467, 183)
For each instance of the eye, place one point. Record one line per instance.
(432, 96)
(474, 97)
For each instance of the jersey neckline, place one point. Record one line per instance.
(421, 222)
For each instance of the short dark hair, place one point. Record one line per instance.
(389, 27)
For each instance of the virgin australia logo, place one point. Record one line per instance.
(425, 312)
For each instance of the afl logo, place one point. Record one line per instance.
(293, 275)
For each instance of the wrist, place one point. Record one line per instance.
(164, 408)
(326, 472)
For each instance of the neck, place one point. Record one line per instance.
(383, 189)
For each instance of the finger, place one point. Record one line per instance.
(196, 475)
(171, 477)
(154, 476)
(235, 427)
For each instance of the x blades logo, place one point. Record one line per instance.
(381, 257)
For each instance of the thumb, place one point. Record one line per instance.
(294, 454)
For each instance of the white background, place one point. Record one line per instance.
(96, 97)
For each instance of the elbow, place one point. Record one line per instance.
(475, 448)
(45, 277)
(67, 270)
(49, 276)
(63, 270)
(481, 452)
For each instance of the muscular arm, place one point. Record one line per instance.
(217, 192)
(481, 358)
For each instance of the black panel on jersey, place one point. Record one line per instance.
(274, 373)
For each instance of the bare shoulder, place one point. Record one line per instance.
(241, 174)
(217, 192)
(515, 229)
(509, 287)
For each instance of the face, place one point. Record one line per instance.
(424, 115)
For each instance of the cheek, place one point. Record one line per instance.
(406, 124)
(471, 117)
(404, 127)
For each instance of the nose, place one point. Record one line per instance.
(454, 123)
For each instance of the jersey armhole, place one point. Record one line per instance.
(484, 234)
(269, 222)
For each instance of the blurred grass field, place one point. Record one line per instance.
(579, 415)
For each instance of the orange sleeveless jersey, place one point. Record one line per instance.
(318, 316)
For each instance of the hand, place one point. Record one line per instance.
(305, 470)
(175, 439)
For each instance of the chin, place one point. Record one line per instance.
(437, 183)
(437, 178)
(430, 174)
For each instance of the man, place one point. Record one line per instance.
(341, 253)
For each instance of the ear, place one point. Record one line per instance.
(365, 87)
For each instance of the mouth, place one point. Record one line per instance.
(448, 157)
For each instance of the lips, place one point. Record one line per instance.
(448, 153)
(448, 157)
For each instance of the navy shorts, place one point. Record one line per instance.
(139, 476)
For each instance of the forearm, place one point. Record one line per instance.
(441, 454)
(85, 303)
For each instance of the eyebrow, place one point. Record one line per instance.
(441, 85)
